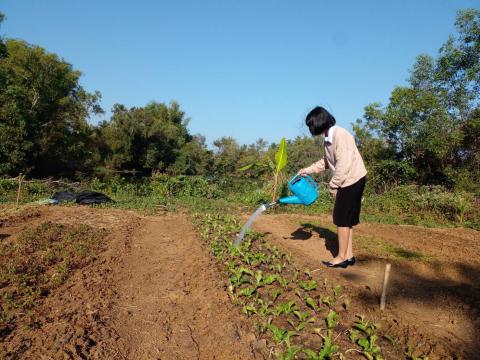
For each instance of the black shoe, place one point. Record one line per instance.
(351, 261)
(343, 264)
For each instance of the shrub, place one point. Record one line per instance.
(182, 185)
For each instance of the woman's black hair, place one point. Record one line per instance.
(318, 120)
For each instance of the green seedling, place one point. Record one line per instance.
(264, 307)
(392, 340)
(368, 342)
(276, 293)
(290, 354)
(247, 292)
(353, 335)
(282, 281)
(410, 356)
(217, 249)
(312, 303)
(328, 349)
(331, 319)
(269, 279)
(295, 275)
(303, 318)
(259, 258)
(367, 327)
(369, 349)
(239, 276)
(264, 326)
(285, 308)
(231, 265)
(234, 251)
(288, 258)
(249, 310)
(330, 300)
(346, 303)
(280, 335)
(308, 285)
(278, 267)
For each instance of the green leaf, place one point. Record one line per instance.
(311, 303)
(364, 343)
(332, 319)
(270, 279)
(311, 354)
(248, 309)
(246, 167)
(281, 156)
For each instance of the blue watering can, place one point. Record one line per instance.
(304, 189)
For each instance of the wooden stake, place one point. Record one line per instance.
(19, 188)
(383, 299)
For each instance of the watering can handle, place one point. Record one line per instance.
(311, 181)
(308, 178)
(294, 177)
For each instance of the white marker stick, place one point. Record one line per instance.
(383, 299)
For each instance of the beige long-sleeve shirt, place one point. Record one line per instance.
(342, 158)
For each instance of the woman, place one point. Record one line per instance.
(348, 181)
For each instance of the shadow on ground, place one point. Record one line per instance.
(306, 231)
(411, 285)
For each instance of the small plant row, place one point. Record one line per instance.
(301, 317)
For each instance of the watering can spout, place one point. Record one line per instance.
(290, 200)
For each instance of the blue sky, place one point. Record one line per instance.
(246, 69)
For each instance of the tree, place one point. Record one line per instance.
(3, 47)
(193, 158)
(146, 139)
(227, 156)
(425, 123)
(43, 113)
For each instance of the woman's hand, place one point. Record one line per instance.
(302, 172)
(333, 192)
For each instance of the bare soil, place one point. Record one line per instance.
(156, 293)
(434, 288)
(153, 294)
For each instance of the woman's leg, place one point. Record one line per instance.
(343, 239)
(349, 247)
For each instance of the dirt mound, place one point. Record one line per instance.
(173, 304)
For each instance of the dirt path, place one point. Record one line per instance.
(172, 301)
(153, 293)
(440, 296)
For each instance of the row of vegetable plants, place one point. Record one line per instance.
(302, 318)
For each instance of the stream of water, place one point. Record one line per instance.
(251, 219)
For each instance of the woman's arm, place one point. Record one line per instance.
(317, 167)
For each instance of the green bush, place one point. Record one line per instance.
(426, 205)
(182, 185)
